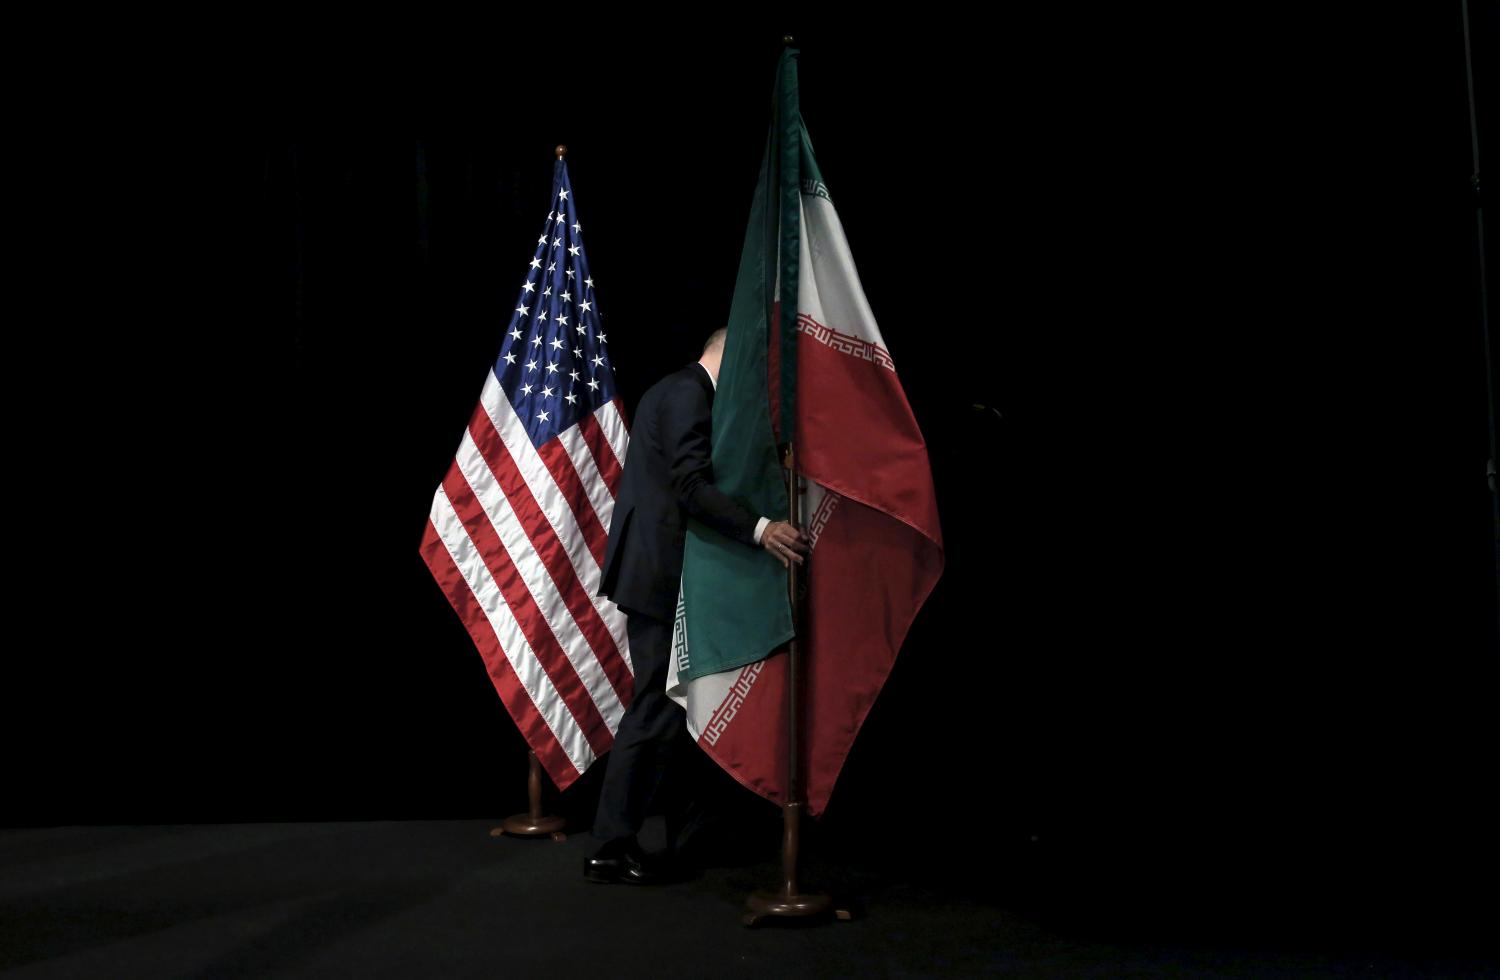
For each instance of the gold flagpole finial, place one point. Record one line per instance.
(561, 151)
(787, 39)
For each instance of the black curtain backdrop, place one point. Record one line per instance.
(1189, 320)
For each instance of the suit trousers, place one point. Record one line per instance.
(650, 741)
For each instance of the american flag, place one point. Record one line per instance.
(517, 530)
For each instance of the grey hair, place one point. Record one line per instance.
(715, 339)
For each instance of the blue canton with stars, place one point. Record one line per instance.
(554, 364)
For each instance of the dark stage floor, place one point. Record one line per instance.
(443, 899)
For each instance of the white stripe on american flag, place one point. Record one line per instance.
(513, 433)
(612, 423)
(538, 686)
(588, 472)
(533, 572)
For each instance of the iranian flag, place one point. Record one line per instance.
(804, 361)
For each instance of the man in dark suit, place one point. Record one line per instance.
(668, 478)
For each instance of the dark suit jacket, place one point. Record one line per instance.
(668, 477)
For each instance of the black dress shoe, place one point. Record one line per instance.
(631, 866)
(602, 869)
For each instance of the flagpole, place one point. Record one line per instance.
(534, 823)
(778, 208)
(791, 901)
(1491, 475)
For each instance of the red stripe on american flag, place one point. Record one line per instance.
(534, 625)
(555, 458)
(604, 456)
(619, 405)
(552, 554)
(549, 750)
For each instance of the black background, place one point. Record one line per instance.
(1218, 623)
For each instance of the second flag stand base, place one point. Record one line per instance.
(533, 823)
(789, 903)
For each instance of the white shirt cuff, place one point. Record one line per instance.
(760, 528)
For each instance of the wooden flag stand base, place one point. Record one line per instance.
(534, 823)
(790, 902)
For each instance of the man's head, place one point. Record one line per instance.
(713, 351)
